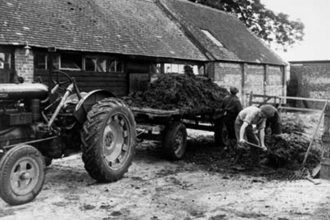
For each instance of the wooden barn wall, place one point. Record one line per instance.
(309, 80)
(117, 83)
(256, 78)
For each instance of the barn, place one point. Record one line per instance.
(119, 44)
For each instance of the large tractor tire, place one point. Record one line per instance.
(108, 140)
(175, 141)
(220, 134)
(22, 174)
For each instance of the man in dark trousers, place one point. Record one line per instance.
(231, 106)
(254, 116)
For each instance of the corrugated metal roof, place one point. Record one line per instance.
(132, 27)
(239, 44)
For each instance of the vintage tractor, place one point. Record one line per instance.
(40, 123)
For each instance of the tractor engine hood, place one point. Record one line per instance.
(11, 91)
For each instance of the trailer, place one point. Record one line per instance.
(170, 127)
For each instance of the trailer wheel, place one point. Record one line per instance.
(22, 174)
(175, 141)
(108, 140)
(220, 134)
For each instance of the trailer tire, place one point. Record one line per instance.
(22, 174)
(108, 140)
(220, 134)
(175, 141)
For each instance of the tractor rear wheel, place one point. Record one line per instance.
(108, 140)
(22, 174)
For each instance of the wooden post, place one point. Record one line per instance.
(251, 99)
(265, 84)
(243, 93)
(325, 159)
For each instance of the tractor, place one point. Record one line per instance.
(40, 123)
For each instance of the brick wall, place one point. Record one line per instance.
(24, 64)
(254, 79)
(258, 78)
(274, 81)
(310, 79)
(228, 74)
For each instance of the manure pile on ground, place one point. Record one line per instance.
(286, 152)
(292, 124)
(289, 148)
(178, 91)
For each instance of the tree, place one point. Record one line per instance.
(271, 27)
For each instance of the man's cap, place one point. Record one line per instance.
(233, 90)
(268, 110)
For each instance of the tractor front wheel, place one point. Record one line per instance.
(108, 140)
(22, 174)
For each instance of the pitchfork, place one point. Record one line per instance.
(304, 172)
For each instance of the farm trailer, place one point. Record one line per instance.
(170, 127)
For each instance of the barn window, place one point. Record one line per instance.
(5, 58)
(96, 64)
(180, 68)
(2, 60)
(70, 61)
(173, 68)
(101, 65)
(40, 61)
(116, 66)
(90, 64)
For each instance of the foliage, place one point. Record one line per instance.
(271, 27)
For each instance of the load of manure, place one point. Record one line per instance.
(179, 91)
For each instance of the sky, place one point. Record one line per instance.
(315, 14)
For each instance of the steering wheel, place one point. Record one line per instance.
(61, 81)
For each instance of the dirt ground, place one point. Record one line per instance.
(197, 187)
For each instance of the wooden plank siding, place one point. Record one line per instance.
(115, 82)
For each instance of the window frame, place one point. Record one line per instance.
(102, 63)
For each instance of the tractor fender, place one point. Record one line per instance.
(85, 104)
